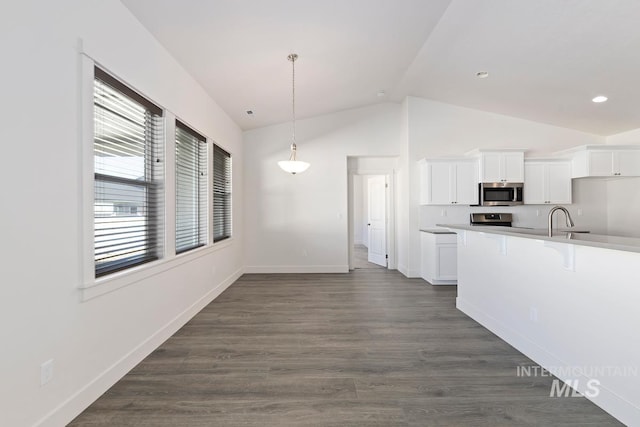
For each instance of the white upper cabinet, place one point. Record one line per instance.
(466, 184)
(448, 182)
(501, 166)
(547, 182)
(605, 161)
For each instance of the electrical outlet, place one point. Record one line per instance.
(579, 212)
(537, 212)
(533, 314)
(443, 212)
(46, 372)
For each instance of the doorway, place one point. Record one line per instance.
(371, 213)
(369, 219)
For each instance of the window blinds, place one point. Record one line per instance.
(221, 194)
(128, 168)
(191, 189)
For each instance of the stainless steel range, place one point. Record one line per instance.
(500, 219)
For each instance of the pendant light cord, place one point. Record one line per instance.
(292, 58)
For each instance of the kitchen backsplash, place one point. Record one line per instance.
(590, 209)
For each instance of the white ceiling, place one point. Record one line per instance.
(546, 58)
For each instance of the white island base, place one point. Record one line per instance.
(572, 309)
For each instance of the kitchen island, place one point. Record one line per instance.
(568, 302)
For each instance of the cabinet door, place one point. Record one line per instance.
(447, 262)
(439, 184)
(513, 167)
(491, 167)
(628, 162)
(601, 163)
(558, 183)
(428, 256)
(535, 184)
(466, 183)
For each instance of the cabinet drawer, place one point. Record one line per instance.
(446, 238)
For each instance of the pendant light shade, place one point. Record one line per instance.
(293, 165)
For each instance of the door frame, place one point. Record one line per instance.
(390, 211)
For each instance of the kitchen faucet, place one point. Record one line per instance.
(566, 214)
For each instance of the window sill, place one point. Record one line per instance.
(133, 275)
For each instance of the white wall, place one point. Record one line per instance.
(436, 130)
(364, 219)
(42, 313)
(358, 212)
(299, 223)
(404, 189)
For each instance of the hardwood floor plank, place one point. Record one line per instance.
(369, 348)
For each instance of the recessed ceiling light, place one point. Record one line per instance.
(482, 74)
(600, 98)
(250, 112)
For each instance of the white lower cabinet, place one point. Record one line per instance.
(439, 265)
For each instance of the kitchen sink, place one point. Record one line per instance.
(559, 232)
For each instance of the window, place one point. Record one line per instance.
(191, 189)
(128, 174)
(221, 194)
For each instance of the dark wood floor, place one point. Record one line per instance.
(369, 348)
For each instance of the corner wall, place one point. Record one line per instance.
(299, 223)
(93, 343)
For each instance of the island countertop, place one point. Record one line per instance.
(437, 231)
(574, 237)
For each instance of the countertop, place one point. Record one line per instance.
(437, 231)
(571, 236)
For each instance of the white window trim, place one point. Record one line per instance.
(211, 234)
(107, 284)
(90, 286)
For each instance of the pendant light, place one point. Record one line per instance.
(293, 166)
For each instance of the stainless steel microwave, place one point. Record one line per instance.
(501, 193)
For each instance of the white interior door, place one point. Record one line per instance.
(377, 220)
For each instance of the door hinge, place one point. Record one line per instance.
(386, 185)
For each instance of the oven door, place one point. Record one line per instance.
(501, 194)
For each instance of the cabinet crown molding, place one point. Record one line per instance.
(479, 151)
(571, 151)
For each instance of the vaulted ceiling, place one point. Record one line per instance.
(546, 59)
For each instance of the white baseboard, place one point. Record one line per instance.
(81, 399)
(403, 269)
(270, 269)
(606, 399)
(414, 274)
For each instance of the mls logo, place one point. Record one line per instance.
(570, 388)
